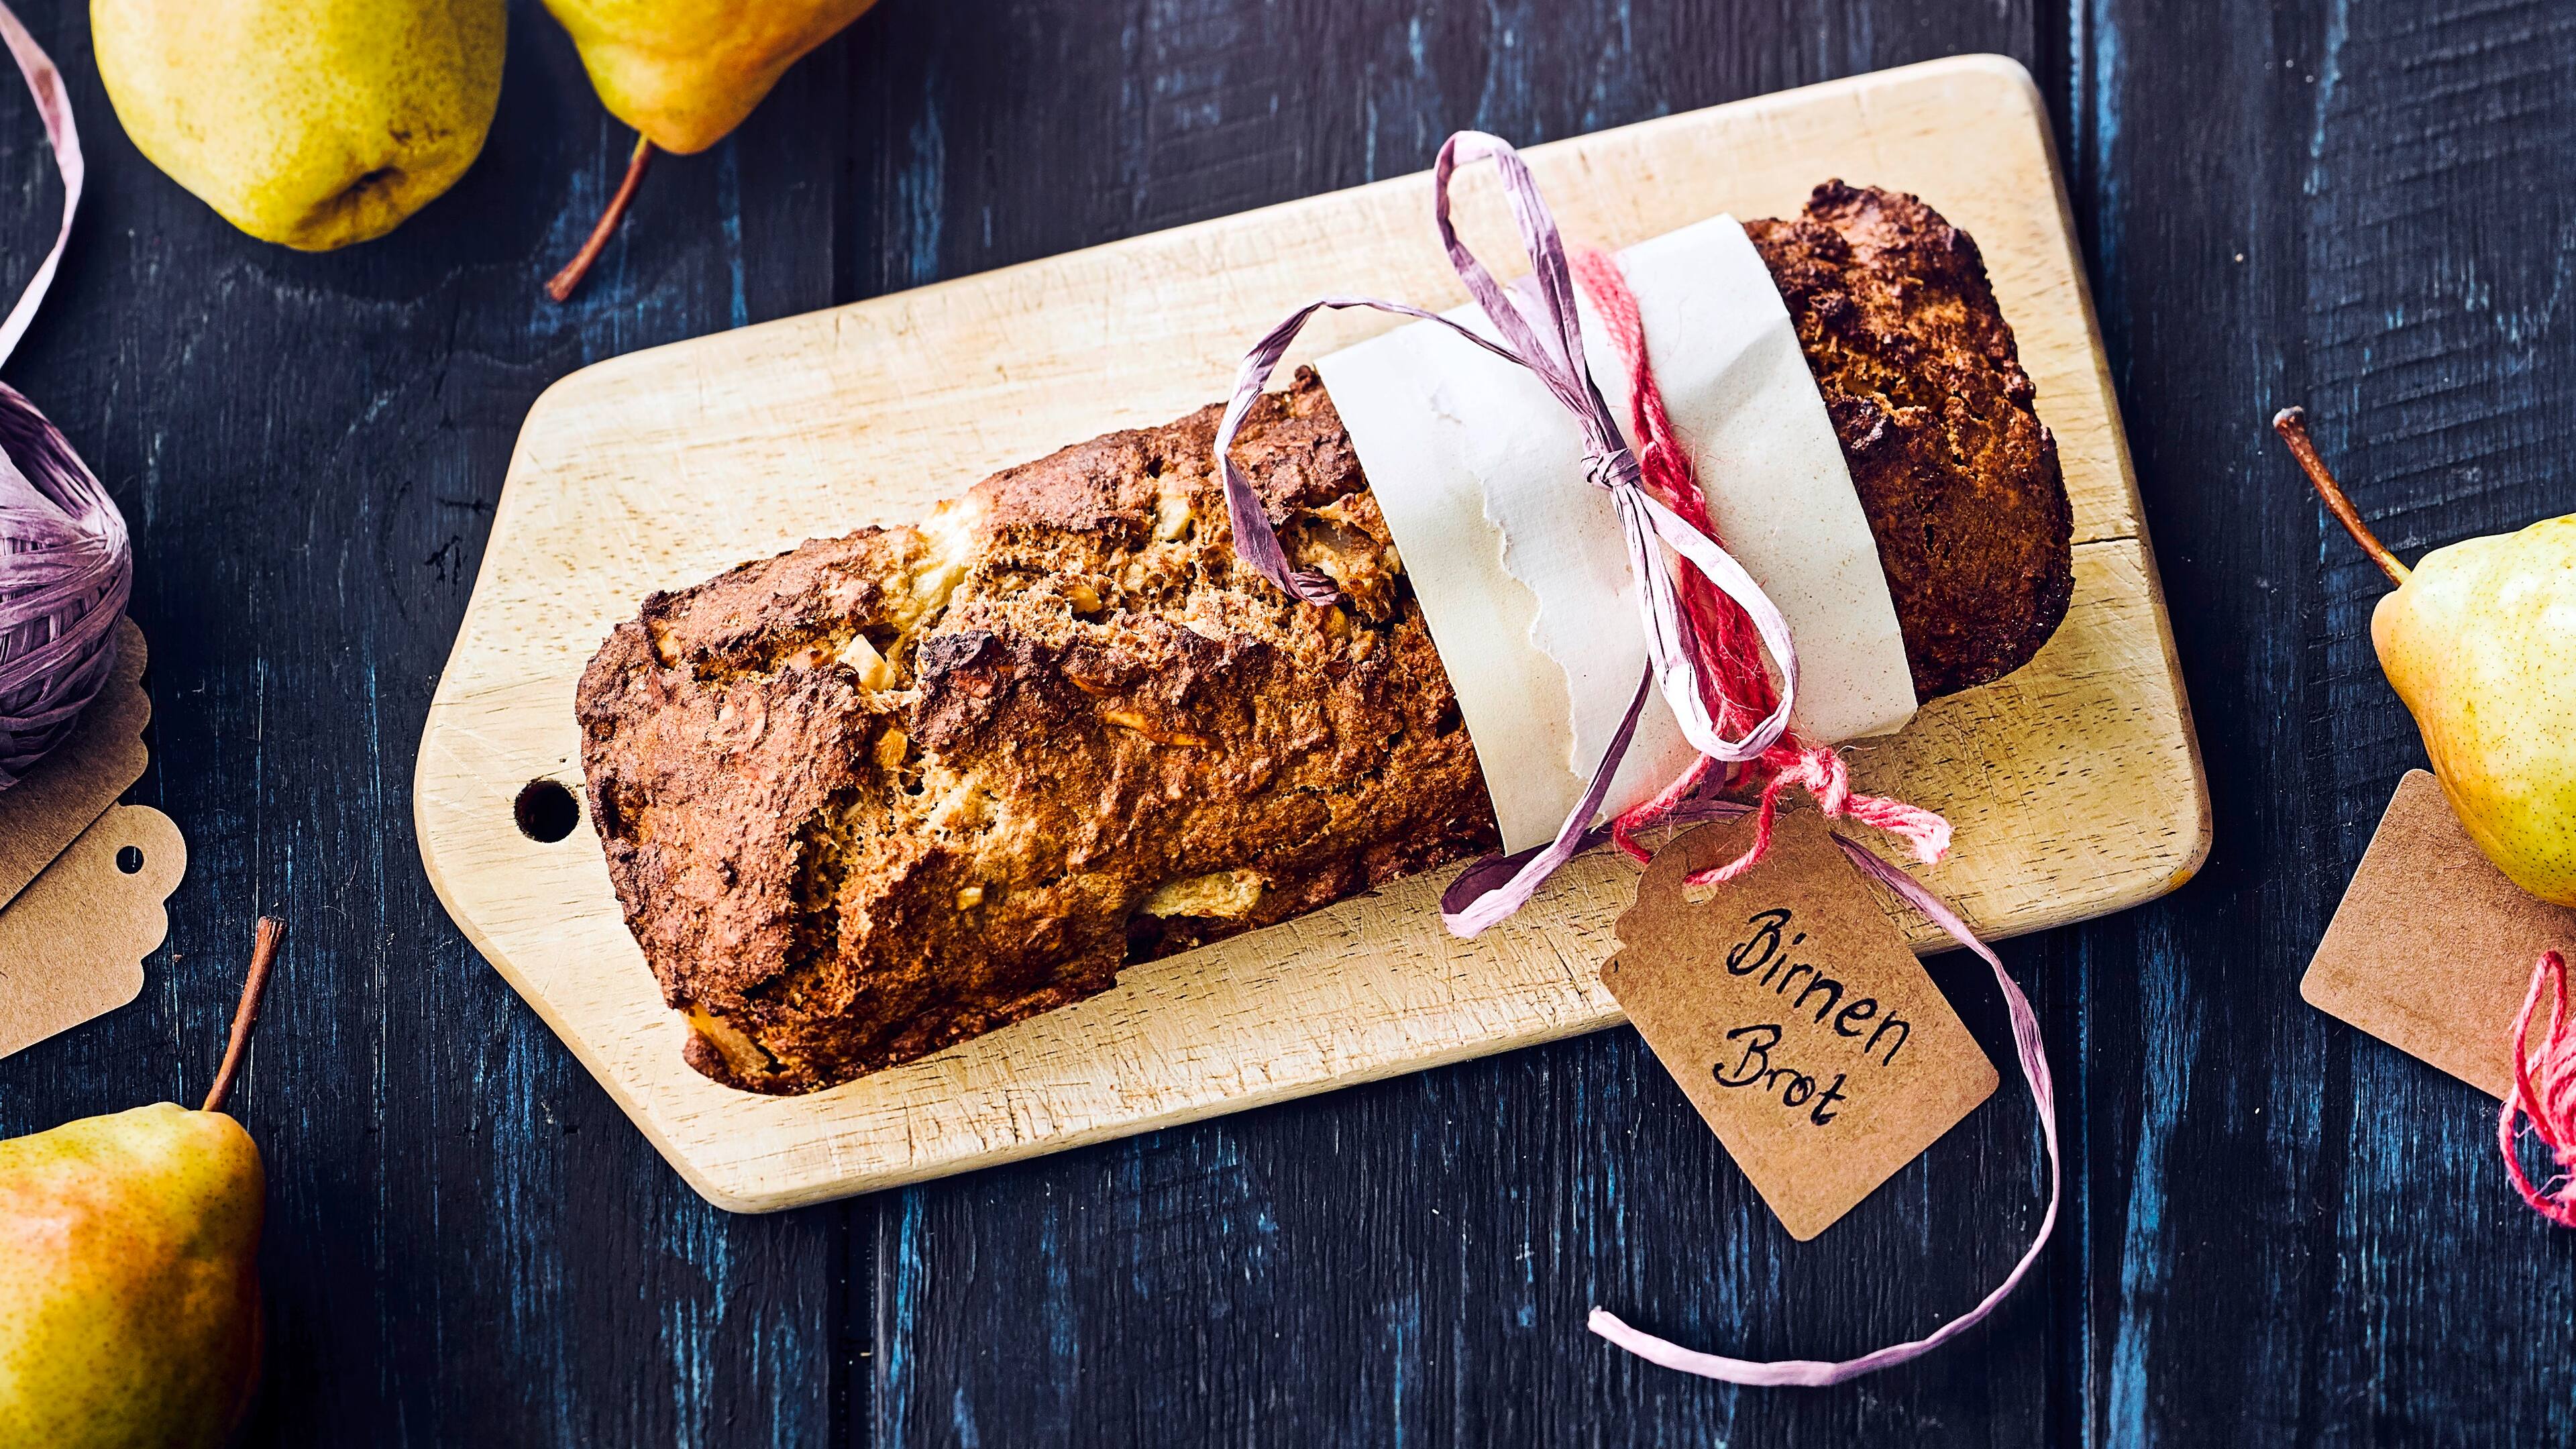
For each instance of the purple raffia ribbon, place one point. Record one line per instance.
(1493, 888)
(1816, 1373)
(46, 84)
(66, 566)
(1550, 345)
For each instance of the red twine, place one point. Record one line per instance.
(2546, 1091)
(1733, 681)
(1542, 333)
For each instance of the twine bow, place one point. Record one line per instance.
(1707, 625)
(1731, 674)
(1544, 333)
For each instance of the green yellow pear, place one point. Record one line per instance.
(129, 1270)
(129, 1279)
(2479, 639)
(685, 72)
(316, 123)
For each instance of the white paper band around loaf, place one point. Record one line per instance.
(1520, 565)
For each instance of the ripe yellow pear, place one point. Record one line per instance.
(685, 72)
(129, 1280)
(129, 1269)
(2479, 639)
(315, 123)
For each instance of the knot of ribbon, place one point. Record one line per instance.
(1731, 674)
(1708, 626)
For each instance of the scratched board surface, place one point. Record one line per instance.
(2278, 1232)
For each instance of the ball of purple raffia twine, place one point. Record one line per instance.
(66, 571)
(66, 567)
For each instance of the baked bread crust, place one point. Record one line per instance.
(886, 792)
(1075, 733)
(1959, 477)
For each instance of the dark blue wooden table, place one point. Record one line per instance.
(2276, 1232)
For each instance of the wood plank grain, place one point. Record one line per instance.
(2297, 1235)
(471, 1249)
(464, 1244)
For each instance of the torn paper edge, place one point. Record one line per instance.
(1520, 565)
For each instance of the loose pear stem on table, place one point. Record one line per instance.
(2292, 425)
(263, 954)
(564, 283)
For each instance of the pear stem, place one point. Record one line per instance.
(263, 954)
(563, 284)
(2292, 425)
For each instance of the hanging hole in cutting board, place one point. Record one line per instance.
(546, 811)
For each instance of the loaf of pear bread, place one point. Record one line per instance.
(886, 792)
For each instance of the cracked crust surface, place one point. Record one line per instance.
(1927, 395)
(1070, 733)
(889, 791)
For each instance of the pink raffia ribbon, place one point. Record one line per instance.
(2027, 1047)
(2544, 1090)
(1542, 331)
(66, 565)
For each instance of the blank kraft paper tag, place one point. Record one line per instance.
(72, 943)
(83, 879)
(2431, 950)
(1794, 1017)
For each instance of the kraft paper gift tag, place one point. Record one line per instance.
(2432, 948)
(1794, 1017)
(68, 789)
(82, 880)
(72, 944)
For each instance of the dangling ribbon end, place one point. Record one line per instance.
(2541, 1091)
(1462, 927)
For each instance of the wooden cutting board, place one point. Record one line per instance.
(2075, 784)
